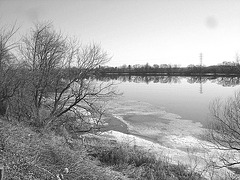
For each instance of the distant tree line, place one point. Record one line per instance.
(225, 68)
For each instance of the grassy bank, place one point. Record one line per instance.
(27, 155)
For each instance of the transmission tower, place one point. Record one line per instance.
(237, 58)
(201, 57)
(201, 86)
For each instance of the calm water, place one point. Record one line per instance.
(162, 132)
(184, 96)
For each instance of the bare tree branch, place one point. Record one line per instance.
(224, 130)
(62, 76)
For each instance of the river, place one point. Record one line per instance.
(187, 97)
(169, 115)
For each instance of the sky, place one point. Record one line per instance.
(140, 31)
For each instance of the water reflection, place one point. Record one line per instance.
(188, 97)
(223, 81)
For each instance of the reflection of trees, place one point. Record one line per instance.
(228, 81)
(156, 79)
(142, 79)
(197, 79)
(224, 81)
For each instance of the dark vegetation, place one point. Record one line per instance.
(223, 69)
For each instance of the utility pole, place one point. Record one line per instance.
(201, 86)
(237, 58)
(201, 57)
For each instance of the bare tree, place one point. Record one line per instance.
(61, 77)
(42, 50)
(224, 130)
(8, 80)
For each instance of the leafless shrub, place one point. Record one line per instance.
(60, 78)
(8, 74)
(224, 130)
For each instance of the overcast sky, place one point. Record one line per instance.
(140, 31)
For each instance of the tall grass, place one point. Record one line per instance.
(140, 164)
(27, 155)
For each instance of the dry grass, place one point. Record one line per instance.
(138, 164)
(27, 155)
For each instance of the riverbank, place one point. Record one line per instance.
(28, 155)
(138, 152)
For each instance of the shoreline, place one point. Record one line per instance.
(115, 124)
(180, 145)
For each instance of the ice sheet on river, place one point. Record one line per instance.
(162, 133)
(151, 121)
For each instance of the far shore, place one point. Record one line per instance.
(170, 74)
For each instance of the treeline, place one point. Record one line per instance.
(225, 68)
